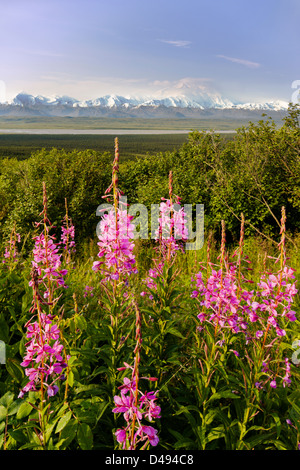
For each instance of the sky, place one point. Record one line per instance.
(245, 50)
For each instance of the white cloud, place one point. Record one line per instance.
(246, 63)
(178, 43)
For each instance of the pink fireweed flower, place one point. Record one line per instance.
(148, 432)
(171, 233)
(136, 406)
(277, 297)
(273, 384)
(11, 251)
(47, 262)
(219, 296)
(172, 226)
(43, 360)
(116, 247)
(286, 378)
(121, 436)
(68, 239)
(88, 290)
(150, 280)
(47, 259)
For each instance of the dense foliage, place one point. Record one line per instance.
(257, 172)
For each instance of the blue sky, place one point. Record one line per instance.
(247, 50)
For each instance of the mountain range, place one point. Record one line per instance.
(178, 106)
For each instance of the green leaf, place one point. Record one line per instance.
(13, 408)
(7, 399)
(70, 378)
(216, 433)
(256, 440)
(18, 436)
(85, 436)
(49, 429)
(3, 412)
(24, 410)
(68, 433)
(63, 421)
(225, 394)
(175, 332)
(185, 443)
(277, 423)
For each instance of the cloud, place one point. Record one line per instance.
(177, 43)
(246, 63)
(187, 86)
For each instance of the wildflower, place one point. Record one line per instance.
(136, 405)
(286, 378)
(172, 227)
(43, 361)
(151, 434)
(46, 257)
(235, 353)
(121, 435)
(116, 233)
(11, 250)
(116, 246)
(273, 384)
(141, 408)
(88, 290)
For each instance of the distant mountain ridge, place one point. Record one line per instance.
(177, 106)
(203, 101)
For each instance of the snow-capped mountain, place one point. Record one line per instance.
(203, 101)
(268, 106)
(177, 102)
(24, 99)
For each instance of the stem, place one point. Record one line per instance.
(38, 308)
(46, 242)
(240, 253)
(171, 214)
(135, 372)
(115, 171)
(222, 261)
(68, 255)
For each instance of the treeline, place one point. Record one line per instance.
(255, 173)
(21, 146)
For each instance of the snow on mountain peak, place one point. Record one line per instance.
(184, 94)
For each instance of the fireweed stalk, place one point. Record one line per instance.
(43, 360)
(172, 231)
(136, 405)
(117, 260)
(11, 251)
(47, 258)
(116, 265)
(43, 352)
(68, 236)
